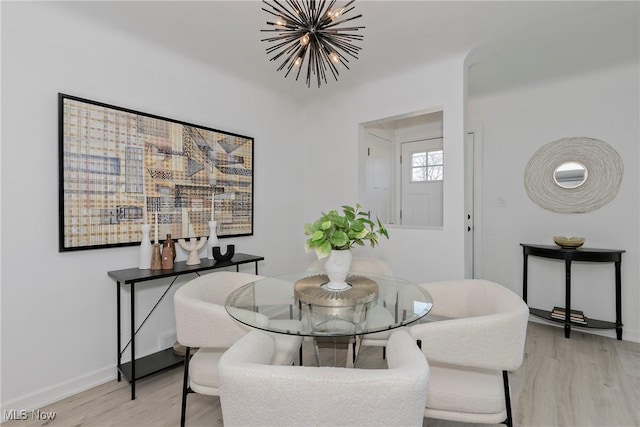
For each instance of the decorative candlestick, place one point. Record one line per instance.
(144, 210)
(156, 231)
(144, 254)
(213, 238)
(192, 247)
(213, 198)
(156, 257)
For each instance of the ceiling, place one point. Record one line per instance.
(513, 41)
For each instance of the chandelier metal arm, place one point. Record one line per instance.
(284, 13)
(347, 49)
(308, 9)
(284, 52)
(284, 45)
(334, 23)
(293, 53)
(300, 10)
(325, 53)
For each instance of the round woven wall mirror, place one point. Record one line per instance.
(573, 175)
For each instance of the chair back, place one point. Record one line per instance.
(485, 325)
(253, 393)
(201, 319)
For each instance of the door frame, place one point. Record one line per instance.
(473, 202)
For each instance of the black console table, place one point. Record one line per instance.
(569, 255)
(164, 359)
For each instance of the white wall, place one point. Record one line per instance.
(59, 309)
(332, 166)
(515, 124)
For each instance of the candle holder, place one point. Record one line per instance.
(231, 250)
(192, 247)
(213, 238)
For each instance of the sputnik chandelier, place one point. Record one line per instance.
(308, 37)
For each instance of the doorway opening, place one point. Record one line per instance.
(402, 169)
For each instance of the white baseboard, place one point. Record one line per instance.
(627, 334)
(52, 394)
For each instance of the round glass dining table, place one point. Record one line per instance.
(372, 304)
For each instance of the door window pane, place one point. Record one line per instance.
(419, 167)
(435, 170)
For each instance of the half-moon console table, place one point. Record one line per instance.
(164, 359)
(569, 255)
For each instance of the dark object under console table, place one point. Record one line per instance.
(569, 255)
(164, 359)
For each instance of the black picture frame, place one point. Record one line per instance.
(119, 168)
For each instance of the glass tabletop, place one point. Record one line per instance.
(299, 304)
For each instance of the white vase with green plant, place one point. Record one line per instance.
(334, 234)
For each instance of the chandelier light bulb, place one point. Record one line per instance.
(335, 14)
(315, 31)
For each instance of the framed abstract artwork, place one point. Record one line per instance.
(120, 168)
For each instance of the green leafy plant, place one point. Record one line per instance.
(333, 231)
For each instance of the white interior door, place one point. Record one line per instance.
(421, 198)
(378, 170)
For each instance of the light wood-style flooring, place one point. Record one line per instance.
(587, 380)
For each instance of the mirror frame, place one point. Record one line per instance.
(604, 167)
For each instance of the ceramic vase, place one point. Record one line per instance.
(144, 252)
(167, 258)
(169, 244)
(337, 267)
(156, 257)
(213, 238)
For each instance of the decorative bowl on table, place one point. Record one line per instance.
(568, 242)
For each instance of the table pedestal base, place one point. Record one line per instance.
(336, 351)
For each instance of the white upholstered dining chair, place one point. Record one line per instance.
(479, 337)
(255, 393)
(203, 323)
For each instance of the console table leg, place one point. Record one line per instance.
(119, 359)
(567, 297)
(618, 301)
(525, 265)
(133, 344)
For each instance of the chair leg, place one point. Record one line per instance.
(507, 399)
(185, 386)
